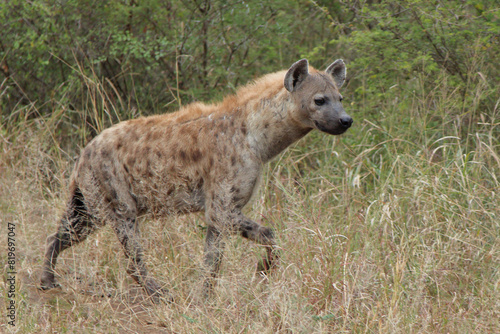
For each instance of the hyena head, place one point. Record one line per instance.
(317, 98)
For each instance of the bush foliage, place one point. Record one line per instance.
(153, 56)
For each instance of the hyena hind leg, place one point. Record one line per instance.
(76, 224)
(127, 232)
(214, 246)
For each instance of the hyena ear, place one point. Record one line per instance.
(338, 72)
(296, 74)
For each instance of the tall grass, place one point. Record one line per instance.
(391, 228)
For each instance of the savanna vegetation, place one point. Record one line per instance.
(394, 227)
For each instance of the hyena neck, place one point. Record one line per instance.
(271, 128)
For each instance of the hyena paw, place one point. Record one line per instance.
(269, 262)
(162, 297)
(265, 266)
(159, 295)
(48, 282)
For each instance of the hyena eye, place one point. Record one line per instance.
(341, 98)
(319, 101)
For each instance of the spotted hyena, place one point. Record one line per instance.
(202, 158)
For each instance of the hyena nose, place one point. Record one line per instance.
(346, 121)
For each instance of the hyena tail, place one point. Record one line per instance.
(76, 224)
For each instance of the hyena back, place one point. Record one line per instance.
(201, 158)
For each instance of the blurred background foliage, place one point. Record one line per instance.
(111, 60)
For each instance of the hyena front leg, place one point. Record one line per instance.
(127, 232)
(263, 236)
(232, 220)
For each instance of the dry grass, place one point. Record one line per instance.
(392, 228)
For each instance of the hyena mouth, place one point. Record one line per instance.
(338, 130)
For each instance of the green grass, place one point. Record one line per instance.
(391, 228)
